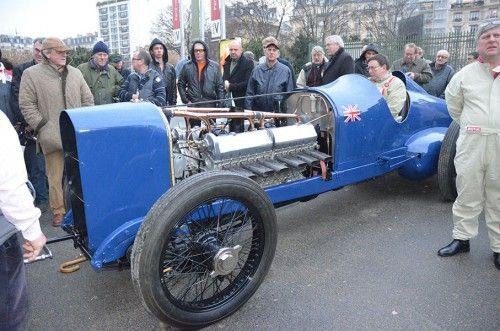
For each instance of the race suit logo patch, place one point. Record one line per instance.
(352, 113)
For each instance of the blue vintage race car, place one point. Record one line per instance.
(192, 207)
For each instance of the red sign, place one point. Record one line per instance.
(176, 20)
(215, 9)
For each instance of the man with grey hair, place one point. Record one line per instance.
(441, 74)
(339, 62)
(473, 99)
(415, 68)
(144, 84)
(312, 72)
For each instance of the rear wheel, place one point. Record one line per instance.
(446, 166)
(204, 249)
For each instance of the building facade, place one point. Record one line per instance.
(466, 15)
(114, 25)
(85, 41)
(435, 15)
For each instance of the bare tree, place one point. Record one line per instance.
(318, 19)
(255, 20)
(381, 17)
(162, 28)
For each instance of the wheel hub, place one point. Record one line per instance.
(225, 261)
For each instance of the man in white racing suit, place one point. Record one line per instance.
(473, 98)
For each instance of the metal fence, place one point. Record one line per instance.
(457, 44)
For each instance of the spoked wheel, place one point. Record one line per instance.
(446, 167)
(204, 249)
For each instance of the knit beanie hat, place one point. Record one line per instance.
(100, 47)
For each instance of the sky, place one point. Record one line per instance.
(58, 18)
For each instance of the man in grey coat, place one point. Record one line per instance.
(270, 77)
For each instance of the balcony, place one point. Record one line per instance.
(471, 4)
(457, 19)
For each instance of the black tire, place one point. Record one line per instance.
(446, 166)
(181, 238)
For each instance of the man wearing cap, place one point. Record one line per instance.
(339, 62)
(268, 78)
(46, 89)
(116, 61)
(159, 56)
(473, 99)
(102, 78)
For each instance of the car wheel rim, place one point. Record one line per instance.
(211, 254)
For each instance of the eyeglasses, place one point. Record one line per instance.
(136, 59)
(199, 50)
(372, 68)
(442, 56)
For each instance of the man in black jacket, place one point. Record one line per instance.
(200, 80)
(159, 54)
(361, 63)
(35, 163)
(237, 71)
(340, 62)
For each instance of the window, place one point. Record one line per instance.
(122, 7)
(474, 15)
(103, 18)
(493, 13)
(456, 29)
(457, 17)
(103, 10)
(473, 28)
(123, 14)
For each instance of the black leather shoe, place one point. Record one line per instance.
(455, 247)
(496, 259)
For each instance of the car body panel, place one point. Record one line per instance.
(124, 155)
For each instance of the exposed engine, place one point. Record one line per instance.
(270, 156)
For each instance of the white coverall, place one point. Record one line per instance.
(473, 99)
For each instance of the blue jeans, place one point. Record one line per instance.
(35, 165)
(13, 296)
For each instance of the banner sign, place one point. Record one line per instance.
(176, 21)
(215, 27)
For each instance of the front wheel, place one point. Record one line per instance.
(446, 167)
(204, 249)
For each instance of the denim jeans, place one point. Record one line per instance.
(35, 165)
(13, 296)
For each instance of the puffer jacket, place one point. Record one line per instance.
(104, 84)
(150, 86)
(210, 87)
(265, 80)
(168, 73)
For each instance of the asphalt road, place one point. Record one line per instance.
(363, 257)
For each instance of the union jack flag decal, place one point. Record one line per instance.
(352, 113)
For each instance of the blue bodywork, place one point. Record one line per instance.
(122, 156)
